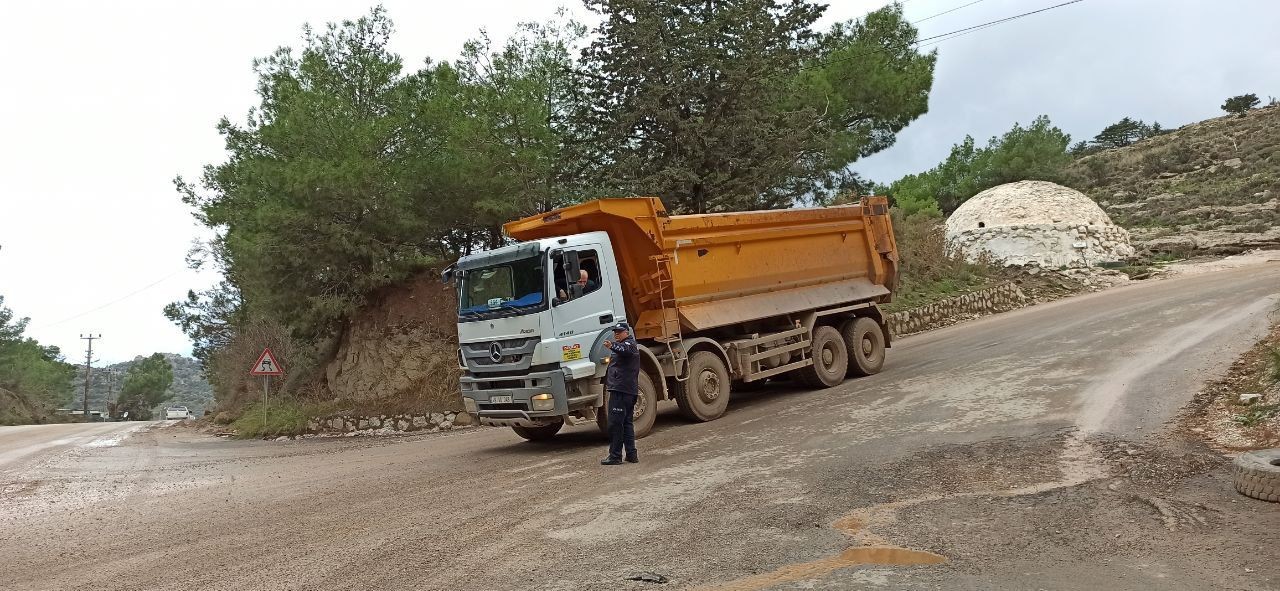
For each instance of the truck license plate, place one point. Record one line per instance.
(500, 399)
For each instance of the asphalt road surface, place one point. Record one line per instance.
(1029, 450)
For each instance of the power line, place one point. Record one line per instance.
(933, 16)
(946, 36)
(996, 22)
(115, 301)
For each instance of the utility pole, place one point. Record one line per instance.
(88, 371)
(111, 382)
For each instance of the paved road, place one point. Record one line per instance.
(1022, 451)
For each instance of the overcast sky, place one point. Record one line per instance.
(104, 103)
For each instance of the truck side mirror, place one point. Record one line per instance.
(448, 274)
(572, 271)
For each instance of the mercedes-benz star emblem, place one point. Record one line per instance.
(495, 352)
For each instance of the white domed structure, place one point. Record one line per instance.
(1037, 222)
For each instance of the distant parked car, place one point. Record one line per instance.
(177, 412)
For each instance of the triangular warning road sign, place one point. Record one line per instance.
(267, 365)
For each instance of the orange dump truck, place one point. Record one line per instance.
(714, 299)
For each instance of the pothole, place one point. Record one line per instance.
(851, 524)
(1078, 463)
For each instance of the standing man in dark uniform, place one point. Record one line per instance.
(620, 382)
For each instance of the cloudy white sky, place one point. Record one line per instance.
(102, 104)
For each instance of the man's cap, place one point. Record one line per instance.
(621, 326)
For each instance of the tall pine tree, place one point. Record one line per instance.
(732, 104)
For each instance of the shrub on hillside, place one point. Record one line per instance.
(931, 268)
(1239, 105)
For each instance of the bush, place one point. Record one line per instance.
(228, 371)
(1239, 105)
(930, 268)
(1274, 354)
(277, 418)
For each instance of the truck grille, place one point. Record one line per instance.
(499, 355)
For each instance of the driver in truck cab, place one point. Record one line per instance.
(584, 279)
(621, 383)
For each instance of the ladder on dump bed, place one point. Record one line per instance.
(670, 323)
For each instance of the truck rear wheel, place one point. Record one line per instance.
(646, 410)
(705, 395)
(830, 359)
(541, 433)
(865, 340)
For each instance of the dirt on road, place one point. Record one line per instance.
(1029, 450)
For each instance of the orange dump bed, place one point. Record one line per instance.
(714, 270)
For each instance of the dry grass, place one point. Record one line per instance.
(931, 269)
(235, 389)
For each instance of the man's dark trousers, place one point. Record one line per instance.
(622, 431)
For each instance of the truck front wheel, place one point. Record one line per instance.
(540, 433)
(645, 412)
(704, 396)
(830, 359)
(865, 341)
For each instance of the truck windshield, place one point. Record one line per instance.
(505, 289)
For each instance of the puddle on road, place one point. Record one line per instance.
(879, 555)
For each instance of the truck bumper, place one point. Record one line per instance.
(481, 396)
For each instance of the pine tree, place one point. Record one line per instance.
(1239, 105)
(736, 104)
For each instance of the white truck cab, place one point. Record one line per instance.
(530, 328)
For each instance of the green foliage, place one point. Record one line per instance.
(1036, 152)
(1257, 414)
(931, 270)
(1125, 132)
(35, 374)
(277, 418)
(145, 386)
(351, 175)
(1239, 105)
(1273, 354)
(208, 318)
(736, 105)
(189, 386)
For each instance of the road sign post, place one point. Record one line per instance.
(266, 367)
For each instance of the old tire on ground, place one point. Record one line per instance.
(830, 359)
(705, 395)
(542, 433)
(865, 341)
(645, 412)
(1257, 474)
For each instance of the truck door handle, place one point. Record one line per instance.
(606, 319)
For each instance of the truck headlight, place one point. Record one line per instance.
(543, 401)
(469, 405)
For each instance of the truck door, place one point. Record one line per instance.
(585, 305)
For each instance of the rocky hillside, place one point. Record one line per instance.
(189, 386)
(1211, 187)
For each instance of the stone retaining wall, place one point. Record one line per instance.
(440, 421)
(1001, 298)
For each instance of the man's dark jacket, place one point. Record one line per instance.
(624, 369)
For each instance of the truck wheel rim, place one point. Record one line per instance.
(828, 357)
(708, 385)
(868, 346)
(637, 411)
